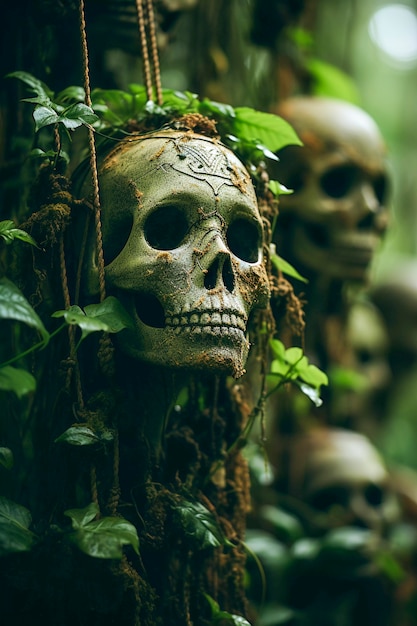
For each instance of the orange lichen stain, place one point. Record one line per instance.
(164, 256)
(239, 181)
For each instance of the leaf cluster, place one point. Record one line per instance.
(253, 135)
(290, 365)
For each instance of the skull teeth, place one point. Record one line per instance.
(213, 322)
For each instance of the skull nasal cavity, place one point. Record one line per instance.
(220, 273)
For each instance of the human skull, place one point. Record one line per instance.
(336, 215)
(395, 296)
(182, 241)
(342, 476)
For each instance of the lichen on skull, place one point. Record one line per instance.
(182, 242)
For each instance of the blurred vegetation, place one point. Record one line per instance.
(247, 53)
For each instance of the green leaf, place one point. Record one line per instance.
(13, 305)
(6, 458)
(286, 268)
(348, 544)
(112, 313)
(347, 379)
(36, 85)
(210, 107)
(286, 527)
(278, 348)
(294, 355)
(270, 130)
(314, 376)
(83, 436)
(330, 81)
(217, 615)
(15, 535)
(103, 538)
(107, 316)
(76, 115)
(17, 380)
(82, 517)
(44, 116)
(311, 392)
(71, 93)
(197, 522)
(281, 368)
(278, 189)
(119, 105)
(9, 232)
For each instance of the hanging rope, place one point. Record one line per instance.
(149, 46)
(93, 156)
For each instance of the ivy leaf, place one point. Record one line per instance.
(118, 105)
(37, 86)
(15, 535)
(286, 268)
(9, 232)
(71, 93)
(311, 392)
(286, 527)
(6, 458)
(76, 115)
(13, 305)
(277, 188)
(330, 81)
(217, 615)
(44, 116)
(111, 312)
(294, 355)
(210, 107)
(291, 365)
(103, 538)
(197, 522)
(314, 376)
(82, 517)
(75, 316)
(83, 436)
(38, 153)
(17, 380)
(107, 316)
(270, 130)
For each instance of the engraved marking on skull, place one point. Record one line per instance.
(212, 167)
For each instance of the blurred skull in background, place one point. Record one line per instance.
(333, 221)
(342, 478)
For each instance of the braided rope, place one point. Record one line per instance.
(149, 46)
(93, 157)
(154, 51)
(145, 53)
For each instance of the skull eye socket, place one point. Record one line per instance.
(338, 181)
(374, 495)
(166, 228)
(327, 498)
(381, 188)
(244, 240)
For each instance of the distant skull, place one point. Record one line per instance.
(343, 476)
(182, 239)
(334, 219)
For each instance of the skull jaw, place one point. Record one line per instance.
(218, 350)
(344, 256)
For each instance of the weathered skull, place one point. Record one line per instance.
(395, 295)
(182, 239)
(342, 476)
(333, 221)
